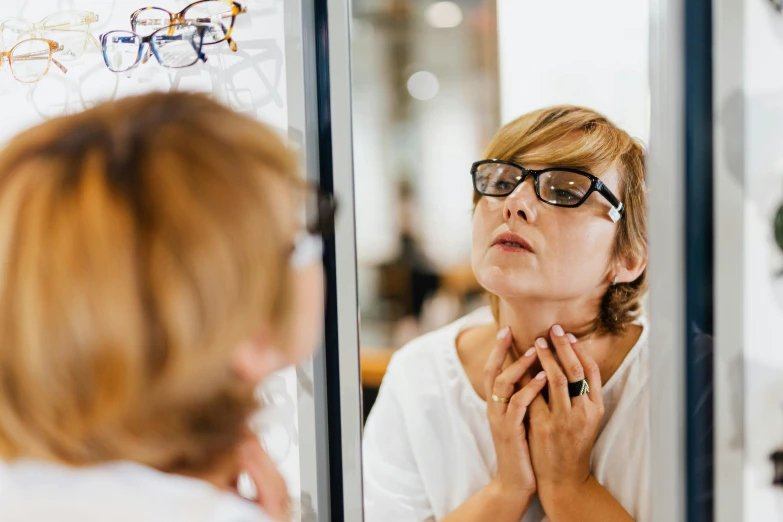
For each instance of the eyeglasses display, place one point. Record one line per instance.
(71, 29)
(175, 46)
(558, 186)
(223, 13)
(30, 60)
(176, 39)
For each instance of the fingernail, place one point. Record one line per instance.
(541, 343)
(572, 338)
(503, 333)
(558, 330)
(541, 375)
(530, 352)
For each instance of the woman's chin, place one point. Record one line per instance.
(506, 282)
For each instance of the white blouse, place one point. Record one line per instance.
(428, 445)
(117, 492)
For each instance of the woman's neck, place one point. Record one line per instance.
(531, 319)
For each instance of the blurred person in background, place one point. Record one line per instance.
(536, 408)
(153, 270)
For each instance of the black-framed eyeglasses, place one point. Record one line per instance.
(320, 210)
(558, 186)
(778, 229)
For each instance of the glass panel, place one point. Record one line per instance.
(444, 271)
(264, 79)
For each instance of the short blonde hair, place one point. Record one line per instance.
(138, 246)
(595, 144)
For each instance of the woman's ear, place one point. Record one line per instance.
(630, 268)
(255, 359)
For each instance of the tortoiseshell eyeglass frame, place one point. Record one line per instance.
(236, 9)
(53, 47)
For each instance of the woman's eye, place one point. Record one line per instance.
(502, 186)
(570, 195)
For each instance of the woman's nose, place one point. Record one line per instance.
(522, 202)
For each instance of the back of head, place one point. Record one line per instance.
(139, 242)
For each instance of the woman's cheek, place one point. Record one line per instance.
(308, 294)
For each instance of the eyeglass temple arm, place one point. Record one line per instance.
(617, 206)
(59, 65)
(201, 55)
(38, 56)
(94, 40)
(230, 41)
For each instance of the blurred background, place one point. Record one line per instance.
(432, 83)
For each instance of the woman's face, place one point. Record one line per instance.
(525, 248)
(277, 348)
(307, 289)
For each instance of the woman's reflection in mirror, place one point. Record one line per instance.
(535, 408)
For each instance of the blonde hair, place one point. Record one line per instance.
(138, 246)
(577, 137)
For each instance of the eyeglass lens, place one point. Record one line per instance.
(319, 209)
(122, 50)
(178, 47)
(221, 14)
(30, 60)
(215, 12)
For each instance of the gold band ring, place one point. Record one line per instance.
(501, 400)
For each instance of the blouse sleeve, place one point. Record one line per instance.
(393, 487)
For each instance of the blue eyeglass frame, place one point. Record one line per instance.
(150, 42)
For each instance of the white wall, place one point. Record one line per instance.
(762, 112)
(575, 52)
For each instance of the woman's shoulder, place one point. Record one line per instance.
(130, 492)
(434, 349)
(631, 378)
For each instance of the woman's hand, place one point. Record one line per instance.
(563, 432)
(515, 480)
(271, 490)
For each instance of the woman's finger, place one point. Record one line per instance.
(538, 406)
(271, 490)
(521, 400)
(592, 372)
(572, 366)
(506, 383)
(558, 382)
(494, 366)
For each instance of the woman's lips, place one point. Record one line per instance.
(511, 248)
(510, 242)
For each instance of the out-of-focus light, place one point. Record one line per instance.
(443, 15)
(423, 85)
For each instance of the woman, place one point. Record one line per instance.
(152, 271)
(461, 429)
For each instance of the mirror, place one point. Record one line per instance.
(548, 239)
